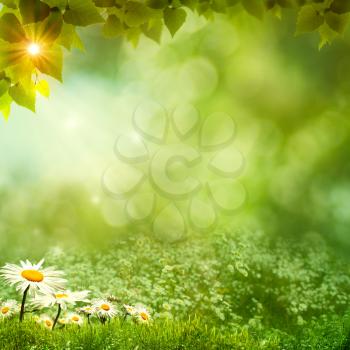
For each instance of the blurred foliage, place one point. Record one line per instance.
(33, 33)
(289, 101)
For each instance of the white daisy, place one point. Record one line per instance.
(8, 308)
(60, 298)
(63, 321)
(87, 310)
(142, 315)
(130, 310)
(75, 319)
(33, 276)
(46, 321)
(104, 309)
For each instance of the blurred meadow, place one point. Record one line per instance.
(279, 267)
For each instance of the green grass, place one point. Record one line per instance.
(325, 334)
(117, 335)
(170, 335)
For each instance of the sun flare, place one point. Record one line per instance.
(34, 49)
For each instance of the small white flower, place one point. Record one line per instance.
(142, 315)
(87, 310)
(75, 319)
(34, 276)
(61, 298)
(130, 310)
(104, 309)
(46, 321)
(8, 308)
(63, 321)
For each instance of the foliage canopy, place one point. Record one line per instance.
(33, 33)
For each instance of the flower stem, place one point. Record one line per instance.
(57, 316)
(21, 315)
(124, 318)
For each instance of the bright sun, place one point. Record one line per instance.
(33, 49)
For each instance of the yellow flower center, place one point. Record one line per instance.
(144, 316)
(61, 296)
(75, 318)
(48, 323)
(5, 310)
(32, 275)
(105, 307)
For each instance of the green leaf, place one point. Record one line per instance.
(113, 27)
(174, 19)
(5, 105)
(337, 22)
(82, 13)
(51, 27)
(33, 10)
(286, 3)
(61, 4)
(11, 54)
(69, 38)
(219, 6)
(133, 35)
(277, 11)
(46, 31)
(50, 62)
(104, 3)
(269, 4)
(157, 4)
(231, 3)
(43, 88)
(4, 86)
(327, 35)
(340, 6)
(13, 4)
(254, 7)
(308, 19)
(153, 30)
(20, 71)
(204, 9)
(192, 4)
(136, 14)
(11, 29)
(23, 96)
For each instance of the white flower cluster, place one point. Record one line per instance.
(231, 279)
(47, 290)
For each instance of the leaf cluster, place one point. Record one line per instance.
(52, 25)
